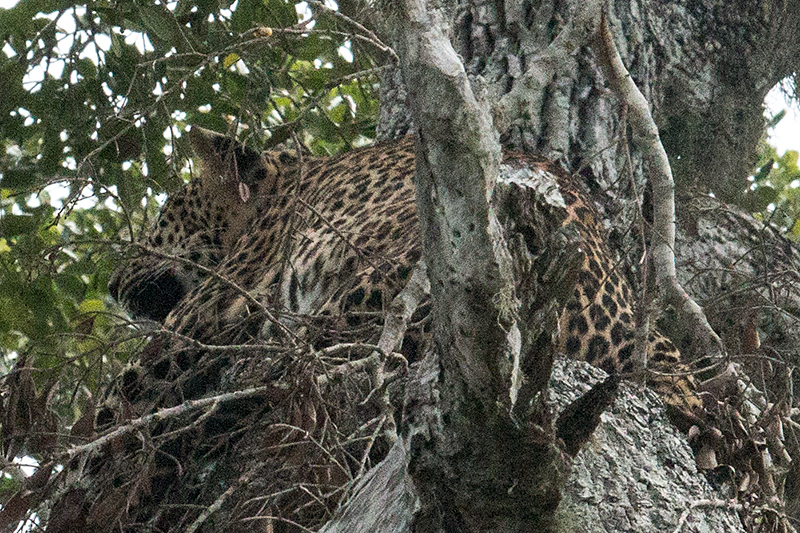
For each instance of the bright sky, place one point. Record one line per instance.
(786, 135)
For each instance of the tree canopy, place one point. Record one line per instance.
(94, 101)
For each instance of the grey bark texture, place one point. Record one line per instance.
(647, 140)
(704, 67)
(742, 270)
(687, 59)
(636, 474)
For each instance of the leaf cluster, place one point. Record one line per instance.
(95, 98)
(774, 194)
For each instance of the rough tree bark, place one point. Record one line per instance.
(475, 307)
(704, 66)
(551, 99)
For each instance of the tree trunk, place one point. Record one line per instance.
(704, 67)
(550, 98)
(478, 448)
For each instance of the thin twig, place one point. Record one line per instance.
(371, 37)
(214, 507)
(163, 414)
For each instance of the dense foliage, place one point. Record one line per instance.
(774, 194)
(95, 98)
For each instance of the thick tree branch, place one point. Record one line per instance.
(475, 309)
(474, 304)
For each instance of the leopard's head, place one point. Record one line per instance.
(197, 225)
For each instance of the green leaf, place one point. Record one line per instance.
(229, 60)
(13, 225)
(92, 305)
(157, 168)
(105, 116)
(71, 286)
(52, 151)
(789, 160)
(316, 79)
(764, 171)
(11, 75)
(760, 198)
(795, 231)
(159, 21)
(314, 47)
(20, 178)
(86, 68)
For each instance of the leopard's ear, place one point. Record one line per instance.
(224, 157)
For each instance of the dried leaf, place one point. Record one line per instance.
(15, 509)
(744, 484)
(706, 458)
(108, 508)
(69, 512)
(151, 351)
(83, 430)
(230, 59)
(244, 192)
(39, 478)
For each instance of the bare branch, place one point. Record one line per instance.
(163, 414)
(468, 380)
(370, 35)
(214, 507)
(647, 139)
(402, 307)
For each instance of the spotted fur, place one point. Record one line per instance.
(333, 236)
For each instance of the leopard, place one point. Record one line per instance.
(268, 253)
(261, 243)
